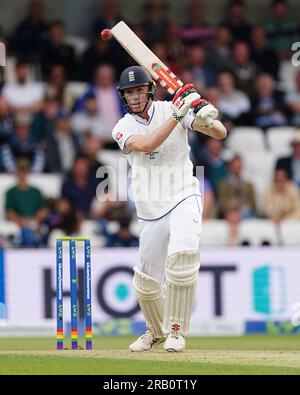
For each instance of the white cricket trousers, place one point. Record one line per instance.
(179, 230)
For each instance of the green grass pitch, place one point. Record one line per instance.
(266, 354)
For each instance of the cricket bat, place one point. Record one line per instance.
(145, 57)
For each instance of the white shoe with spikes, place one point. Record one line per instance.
(146, 342)
(175, 342)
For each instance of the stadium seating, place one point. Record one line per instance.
(215, 233)
(287, 74)
(9, 230)
(118, 168)
(134, 228)
(257, 232)
(290, 232)
(279, 140)
(259, 169)
(90, 229)
(259, 164)
(246, 139)
(78, 43)
(49, 184)
(76, 88)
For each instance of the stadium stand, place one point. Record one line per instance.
(215, 233)
(279, 140)
(258, 232)
(290, 232)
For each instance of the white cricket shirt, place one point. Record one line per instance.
(163, 178)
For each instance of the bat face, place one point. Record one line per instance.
(145, 57)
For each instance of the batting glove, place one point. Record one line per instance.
(182, 101)
(205, 113)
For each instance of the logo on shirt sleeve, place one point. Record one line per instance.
(119, 135)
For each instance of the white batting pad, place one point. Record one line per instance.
(182, 271)
(151, 301)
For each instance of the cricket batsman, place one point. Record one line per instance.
(154, 137)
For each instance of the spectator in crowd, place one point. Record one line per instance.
(71, 223)
(90, 123)
(107, 208)
(233, 219)
(233, 104)
(1, 78)
(91, 148)
(20, 145)
(187, 77)
(100, 53)
(155, 23)
(104, 52)
(162, 94)
(268, 107)
(79, 188)
(57, 87)
(161, 50)
(109, 16)
(208, 201)
(58, 52)
(61, 221)
(108, 104)
(123, 236)
(56, 211)
(214, 165)
(219, 54)
(236, 20)
(235, 188)
(30, 36)
(6, 121)
(197, 30)
(282, 32)
(43, 122)
(3, 40)
(63, 146)
(282, 198)
(266, 59)
(138, 29)
(23, 96)
(213, 95)
(293, 102)
(243, 67)
(202, 74)
(176, 47)
(24, 206)
(291, 164)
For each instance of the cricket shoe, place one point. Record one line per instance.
(175, 342)
(146, 342)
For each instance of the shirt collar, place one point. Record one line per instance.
(150, 113)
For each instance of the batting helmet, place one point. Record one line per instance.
(133, 77)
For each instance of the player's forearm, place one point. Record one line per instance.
(159, 135)
(153, 140)
(218, 130)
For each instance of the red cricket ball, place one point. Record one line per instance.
(106, 34)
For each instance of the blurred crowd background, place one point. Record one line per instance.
(58, 105)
